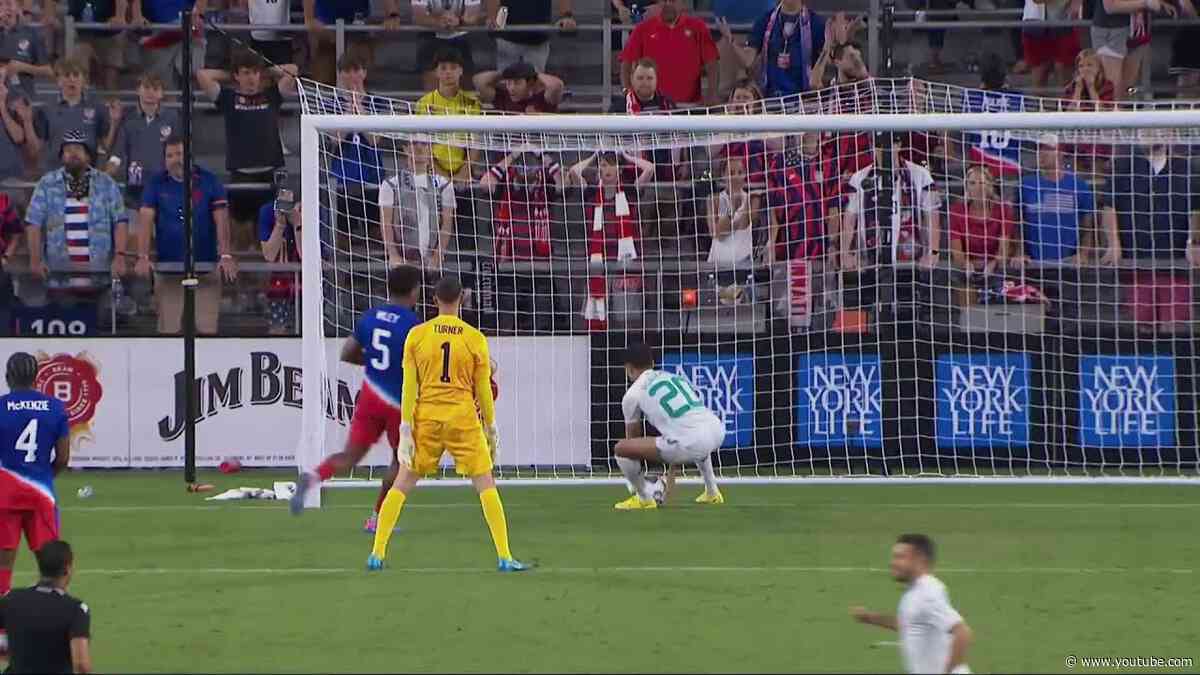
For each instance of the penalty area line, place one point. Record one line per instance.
(619, 569)
(268, 505)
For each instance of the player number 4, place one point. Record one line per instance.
(670, 389)
(27, 441)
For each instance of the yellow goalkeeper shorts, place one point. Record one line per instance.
(464, 440)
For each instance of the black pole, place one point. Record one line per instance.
(189, 276)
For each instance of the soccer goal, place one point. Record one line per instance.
(892, 279)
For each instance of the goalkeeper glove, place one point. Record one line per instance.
(493, 441)
(404, 451)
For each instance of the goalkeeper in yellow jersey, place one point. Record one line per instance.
(447, 396)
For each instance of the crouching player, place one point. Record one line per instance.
(378, 345)
(690, 431)
(448, 404)
(34, 448)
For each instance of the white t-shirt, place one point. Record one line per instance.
(270, 13)
(669, 402)
(925, 619)
(437, 8)
(738, 245)
(418, 200)
(914, 197)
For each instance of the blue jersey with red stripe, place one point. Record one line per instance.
(30, 425)
(382, 331)
(997, 148)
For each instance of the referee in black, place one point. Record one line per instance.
(48, 630)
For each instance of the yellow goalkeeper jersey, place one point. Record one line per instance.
(447, 373)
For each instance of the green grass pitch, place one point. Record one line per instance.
(761, 584)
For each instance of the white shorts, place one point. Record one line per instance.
(692, 446)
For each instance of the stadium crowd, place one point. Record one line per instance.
(986, 214)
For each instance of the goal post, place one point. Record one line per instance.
(817, 377)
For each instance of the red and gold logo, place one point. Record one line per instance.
(74, 380)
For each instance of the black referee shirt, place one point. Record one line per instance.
(41, 621)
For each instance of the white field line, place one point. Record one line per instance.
(651, 569)
(258, 504)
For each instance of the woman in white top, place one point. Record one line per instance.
(730, 217)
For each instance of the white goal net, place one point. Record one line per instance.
(886, 278)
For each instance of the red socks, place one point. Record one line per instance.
(325, 471)
(5, 582)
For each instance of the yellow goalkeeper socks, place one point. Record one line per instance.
(389, 513)
(493, 513)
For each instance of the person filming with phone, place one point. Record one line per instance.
(279, 229)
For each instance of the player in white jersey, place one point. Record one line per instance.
(933, 636)
(690, 431)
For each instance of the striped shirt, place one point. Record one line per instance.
(75, 220)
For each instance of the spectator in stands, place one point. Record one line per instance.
(251, 110)
(644, 95)
(520, 89)
(613, 226)
(532, 47)
(277, 47)
(847, 60)
(746, 99)
(22, 52)
(279, 232)
(782, 48)
(445, 16)
(522, 185)
(734, 17)
(915, 214)
(10, 237)
(102, 50)
(804, 201)
(162, 215)
(1089, 90)
(136, 141)
(1057, 210)
(75, 222)
(19, 142)
(1121, 37)
(162, 51)
(449, 99)
(357, 161)
(731, 216)
(1151, 207)
(320, 17)
(682, 47)
(1046, 47)
(75, 110)
(416, 209)
(982, 226)
(1185, 55)
(669, 208)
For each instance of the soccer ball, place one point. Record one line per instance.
(658, 490)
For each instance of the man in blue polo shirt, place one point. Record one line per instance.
(1057, 209)
(162, 213)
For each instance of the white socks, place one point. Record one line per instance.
(632, 469)
(709, 476)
